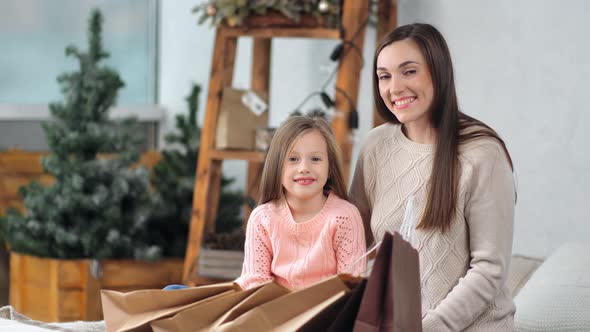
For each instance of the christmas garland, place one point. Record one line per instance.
(234, 12)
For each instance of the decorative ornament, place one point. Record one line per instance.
(211, 10)
(232, 21)
(324, 6)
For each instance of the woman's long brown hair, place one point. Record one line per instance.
(452, 126)
(281, 144)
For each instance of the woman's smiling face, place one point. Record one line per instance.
(405, 83)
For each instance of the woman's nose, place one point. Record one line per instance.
(396, 87)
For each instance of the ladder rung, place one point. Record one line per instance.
(324, 33)
(255, 156)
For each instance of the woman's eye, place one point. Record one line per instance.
(409, 72)
(383, 77)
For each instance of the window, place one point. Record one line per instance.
(34, 35)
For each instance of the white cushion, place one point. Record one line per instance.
(557, 296)
(521, 270)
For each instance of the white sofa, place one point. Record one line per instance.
(556, 295)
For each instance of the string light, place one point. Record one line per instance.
(338, 53)
(339, 49)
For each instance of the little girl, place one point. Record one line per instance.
(304, 229)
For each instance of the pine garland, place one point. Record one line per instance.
(234, 12)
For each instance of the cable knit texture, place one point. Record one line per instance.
(297, 255)
(463, 271)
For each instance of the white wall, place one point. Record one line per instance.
(521, 66)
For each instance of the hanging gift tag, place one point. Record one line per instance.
(254, 103)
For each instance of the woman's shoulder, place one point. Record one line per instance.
(383, 131)
(485, 150)
(380, 137)
(481, 149)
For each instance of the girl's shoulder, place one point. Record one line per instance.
(338, 206)
(267, 210)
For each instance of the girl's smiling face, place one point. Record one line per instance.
(305, 170)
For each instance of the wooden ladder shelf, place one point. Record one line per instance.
(208, 173)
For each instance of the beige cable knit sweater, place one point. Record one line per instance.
(463, 271)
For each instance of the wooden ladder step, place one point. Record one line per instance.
(324, 33)
(254, 156)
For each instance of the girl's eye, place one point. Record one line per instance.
(293, 159)
(316, 159)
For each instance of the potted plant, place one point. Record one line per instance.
(89, 229)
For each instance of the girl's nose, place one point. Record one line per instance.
(304, 167)
(303, 170)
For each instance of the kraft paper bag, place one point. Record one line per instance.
(392, 298)
(206, 316)
(292, 311)
(320, 317)
(236, 123)
(266, 293)
(134, 311)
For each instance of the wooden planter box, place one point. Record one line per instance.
(58, 290)
(220, 264)
(18, 168)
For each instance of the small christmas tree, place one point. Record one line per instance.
(96, 207)
(174, 179)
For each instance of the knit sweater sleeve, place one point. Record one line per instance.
(362, 184)
(489, 213)
(349, 241)
(257, 252)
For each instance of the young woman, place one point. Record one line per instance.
(304, 229)
(453, 171)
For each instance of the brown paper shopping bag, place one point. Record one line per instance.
(134, 311)
(292, 311)
(266, 293)
(320, 317)
(203, 316)
(344, 321)
(392, 299)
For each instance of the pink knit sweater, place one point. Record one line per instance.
(297, 255)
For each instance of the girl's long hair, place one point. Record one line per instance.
(452, 126)
(271, 187)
